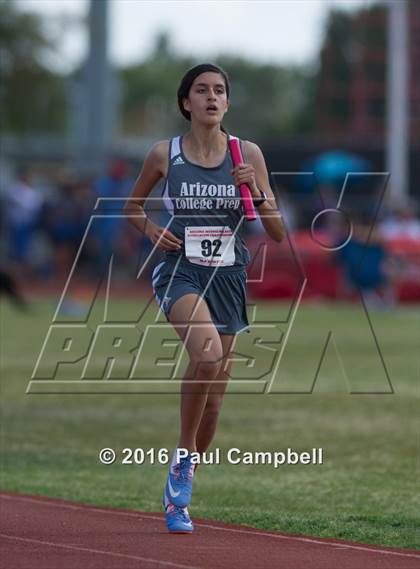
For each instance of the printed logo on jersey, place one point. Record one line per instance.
(178, 161)
(207, 196)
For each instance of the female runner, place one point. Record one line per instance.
(200, 284)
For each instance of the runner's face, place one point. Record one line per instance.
(207, 100)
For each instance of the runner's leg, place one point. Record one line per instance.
(205, 350)
(208, 424)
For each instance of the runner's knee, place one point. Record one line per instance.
(207, 363)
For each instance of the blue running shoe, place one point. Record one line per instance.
(179, 484)
(177, 519)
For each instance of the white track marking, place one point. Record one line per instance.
(100, 551)
(205, 525)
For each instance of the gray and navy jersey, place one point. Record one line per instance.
(206, 212)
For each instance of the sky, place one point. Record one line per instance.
(278, 31)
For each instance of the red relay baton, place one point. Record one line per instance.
(236, 154)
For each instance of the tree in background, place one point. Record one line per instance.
(275, 100)
(32, 97)
(333, 80)
(149, 91)
(351, 82)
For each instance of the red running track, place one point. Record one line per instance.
(44, 533)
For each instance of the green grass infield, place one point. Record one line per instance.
(360, 404)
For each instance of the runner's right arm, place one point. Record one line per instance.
(154, 168)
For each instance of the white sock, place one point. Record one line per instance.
(174, 462)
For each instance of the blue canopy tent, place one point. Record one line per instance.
(331, 168)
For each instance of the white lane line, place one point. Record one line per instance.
(201, 524)
(100, 551)
(316, 541)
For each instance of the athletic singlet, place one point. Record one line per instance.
(206, 212)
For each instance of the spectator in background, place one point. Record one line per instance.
(66, 216)
(8, 283)
(402, 223)
(23, 206)
(367, 266)
(106, 230)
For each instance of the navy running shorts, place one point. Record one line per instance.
(225, 295)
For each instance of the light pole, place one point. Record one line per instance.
(93, 98)
(397, 143)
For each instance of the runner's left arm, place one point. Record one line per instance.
(254, 173)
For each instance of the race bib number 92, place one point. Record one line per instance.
(210, 246)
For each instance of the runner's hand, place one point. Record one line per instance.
(164, 239)
(245, 174)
